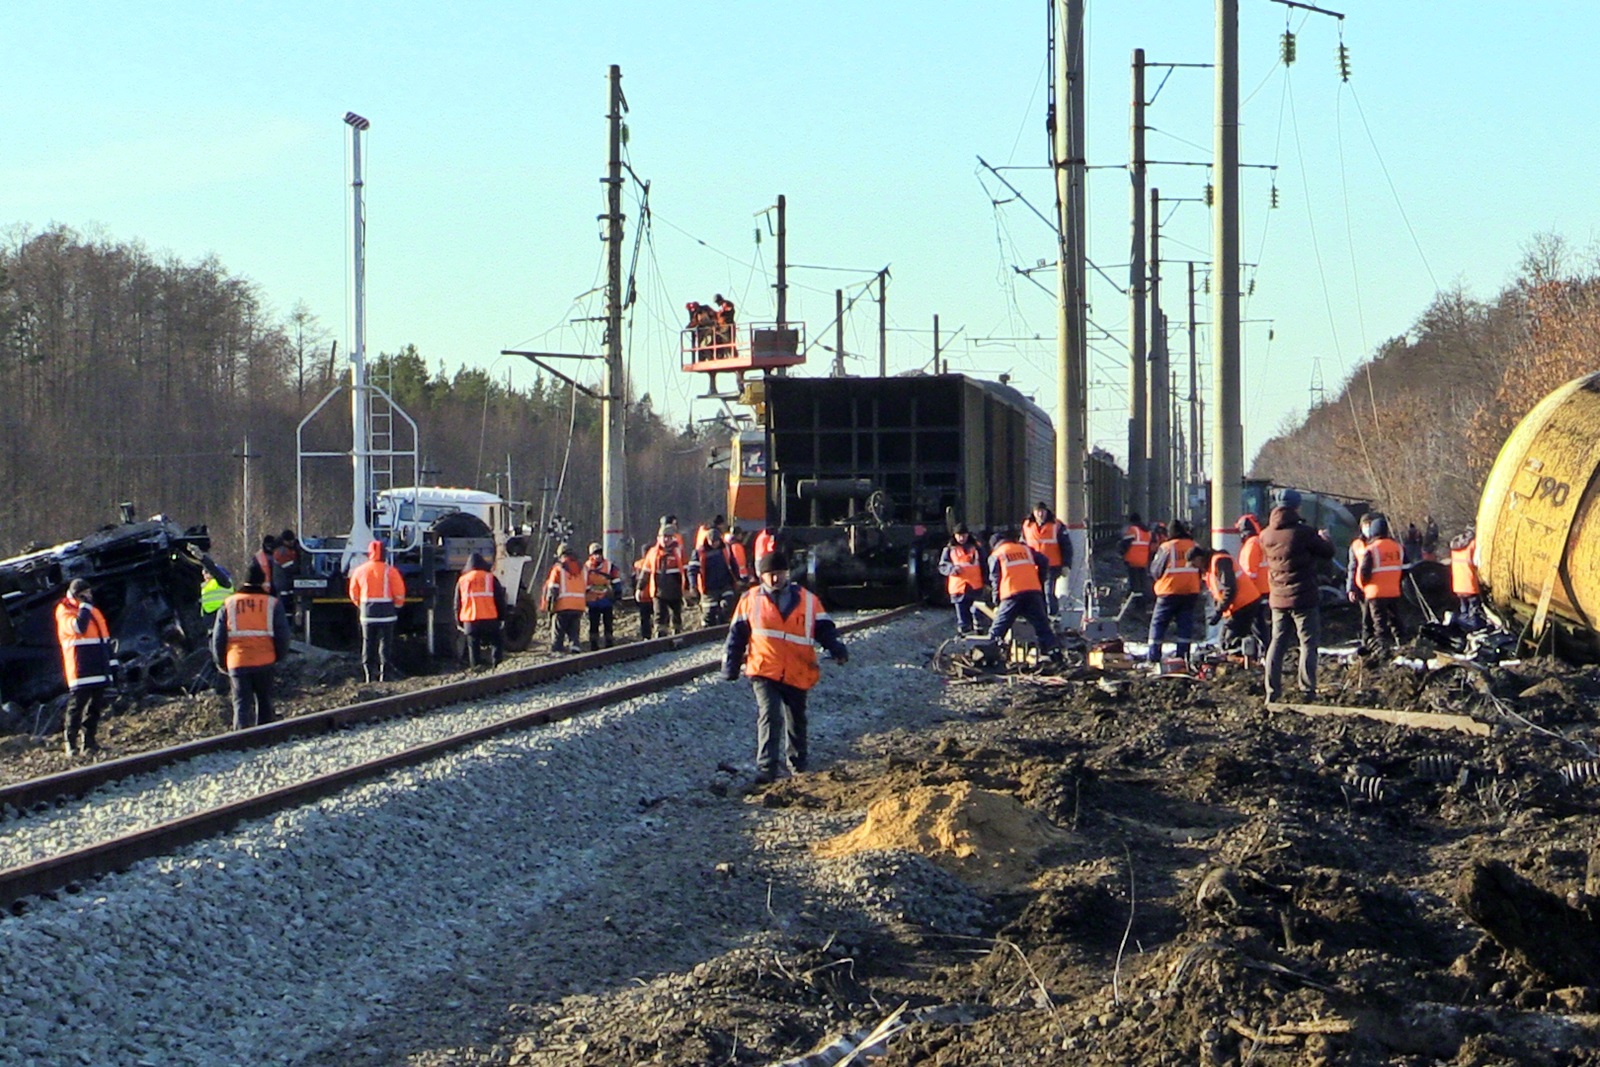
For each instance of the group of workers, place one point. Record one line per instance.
(1018, 578)
(712, 327)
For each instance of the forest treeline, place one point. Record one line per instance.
(131, 376)
(1416, 428)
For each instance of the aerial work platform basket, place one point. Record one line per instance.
(743, 347)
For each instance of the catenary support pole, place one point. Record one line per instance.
(1159, 453)
(783, 263)
(936, 368)
(1138, 372)
(614, 406)
(1068, 156)
(838, 333)
(360, 397)
(883, 324)
(1227, 434)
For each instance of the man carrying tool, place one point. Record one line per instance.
(1016, 578)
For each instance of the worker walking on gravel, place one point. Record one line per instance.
(665, 572)
(602, 588)
(961, 563)
(378, 590)
(1293, 549)
(565, 600)
(642, 598)
(1135, 549)
(86, 660)
(715, 574)
(773, 637)
(1177, 587)
(1016, 577)
(251, 634)
(478, 600)
(1382, 567)
(1047, 535)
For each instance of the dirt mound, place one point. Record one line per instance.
(987, 839)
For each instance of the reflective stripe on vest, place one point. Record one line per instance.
(1138, 553)
(969, 570)
(1463, 575)
(475, 597)
(249, 620)
(85, 656)
(376, 605)
(568, 588)
(1388, 563)
(782, 649)
(1046, 544)
(1245, 592)
(1019, 572)
(1180, 577)
(598, 578)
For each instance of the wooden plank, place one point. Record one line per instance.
(1424, 719)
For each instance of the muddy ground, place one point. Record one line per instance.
(1165, 872)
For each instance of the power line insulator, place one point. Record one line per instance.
(1211, 194)
(1344, 63)
(1274, 194)
(1205, 285)
(1286, 50)
(1250, 290)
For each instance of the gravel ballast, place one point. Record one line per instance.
(398, 916)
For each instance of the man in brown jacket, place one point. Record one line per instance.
(1292, 551)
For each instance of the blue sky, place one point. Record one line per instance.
(215, 128)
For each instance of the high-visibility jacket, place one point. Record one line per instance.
(378, 590)
(1352, 578)
(1253, 565)
(741, 560)
(565, 587)
(1463, 573)
(213, 594)
(475, 599)
(1387, 563)
(715, 570)
(966, 568)
(1180, 576)
(249, 620)
(643, 586)
(1019, 571)
(766, 543)
(264, 558)
(1137, 553)
(1245, 591)
(85, 650)
(662, 560)
(600, 580)
(1045, 538)
(782, 648)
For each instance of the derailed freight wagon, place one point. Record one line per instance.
(865, 476)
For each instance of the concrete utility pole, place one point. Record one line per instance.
(838, 333)
(1139, 496)
(360, 398)
(1160, 450)
(883, 324)
(1196, 459)
(783, 263)
(614, 405)
(936, 369)
(1227, 467)
(1068, 157)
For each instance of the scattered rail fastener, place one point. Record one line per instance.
(64, 870)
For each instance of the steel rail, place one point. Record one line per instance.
(64, 870)
(33, 793)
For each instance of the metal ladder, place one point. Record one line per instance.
(380, 427)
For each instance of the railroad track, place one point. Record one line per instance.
(69, 867)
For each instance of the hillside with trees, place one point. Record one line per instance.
(130, 375)
(1416, 428)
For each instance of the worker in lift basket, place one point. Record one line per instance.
(251, 634)
(773, 636)
(377, 588)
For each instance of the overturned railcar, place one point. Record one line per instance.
(865, 476)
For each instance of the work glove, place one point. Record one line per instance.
(840, 656)
(1214, 617)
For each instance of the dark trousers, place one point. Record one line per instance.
(1244, 622)
(1307, 624)
(780, 721)
(1138, 580)
(601, 619)
(482, 640)
(965, 622)
(83, 714)
(377, 649)
(566, 625)
(669, 609)
(1030, 605)
(1386, 620)
(1364, 606)
(1051, 603)
(646, 611)
(1174, 608)
(717, 606)
(1469, 610)
(251, 689)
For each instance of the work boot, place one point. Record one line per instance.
(67, 747)
(594, 644)
(610, 642)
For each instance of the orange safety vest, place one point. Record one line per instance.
(1245, 592)
(968, 562)
(568, 588)
(1180, 576)
(1463, 575)
(1018, 571)
(782, 649)
(1044, 538)
(475, 597)
(1138, 553)
(250, 642)
(264, 558)
(379, 590)
(644, 584)
(1387, 566)
(1253, 564)
(598, 578)
(742, 559)
(86, 656)
(659, 561)
(766, 543)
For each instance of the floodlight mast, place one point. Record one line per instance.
(360, 400)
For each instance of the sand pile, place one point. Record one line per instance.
(987, 839)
